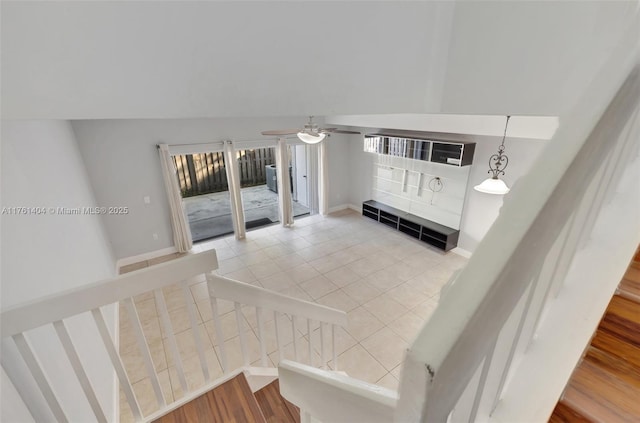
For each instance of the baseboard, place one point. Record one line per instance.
(146, 256)
(462, 252)
(355, 207)
(338, 208)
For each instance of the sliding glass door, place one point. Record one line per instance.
(258, 185)
(205, 188)
(205, 194)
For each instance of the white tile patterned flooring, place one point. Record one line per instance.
(387, 282)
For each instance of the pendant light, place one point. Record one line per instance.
(497, 163)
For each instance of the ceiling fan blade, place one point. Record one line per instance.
(281, 132)
(339, 131)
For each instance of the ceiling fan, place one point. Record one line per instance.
(311, 133)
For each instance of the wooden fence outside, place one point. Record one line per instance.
(205, 173)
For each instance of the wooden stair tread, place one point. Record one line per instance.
(622, 319)
(601, 396)
(231, 402)
(612, 344)
(616, 366)
(630, 285)
(605, 387)
(564, 413)
(275, 408)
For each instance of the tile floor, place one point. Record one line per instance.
(387, 282)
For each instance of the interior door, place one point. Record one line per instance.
(300, 166)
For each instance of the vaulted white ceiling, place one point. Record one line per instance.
(77, 60)
(186, 59)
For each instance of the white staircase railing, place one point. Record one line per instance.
(509, 330)
(334, 397)
(17, 322)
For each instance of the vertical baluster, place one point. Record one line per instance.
(276, 317)
(144, 349)
(173, 346)
(241, 334)
(333, 347)
(323, 356)
(263, 341)
(217, 325)
(67, 344)
(612, 169)
(125, 384)
(482, 382)
(305, 417)
(310, 335)
(516, 338)
(543, 286)
(295, 338)
(35, 368)
(186, 293)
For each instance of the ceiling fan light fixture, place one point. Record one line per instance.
(311, 138)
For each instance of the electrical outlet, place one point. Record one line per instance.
(147, 200)
(155, 237)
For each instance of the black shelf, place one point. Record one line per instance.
(432, 233)
(419, 146)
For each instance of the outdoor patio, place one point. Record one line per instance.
(209, 215)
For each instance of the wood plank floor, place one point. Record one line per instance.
(231, 402)
(605, 387)
(275, 408)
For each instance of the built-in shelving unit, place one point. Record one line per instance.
(432, 233)
(412, 146)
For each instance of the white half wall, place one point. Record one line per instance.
(44, 254)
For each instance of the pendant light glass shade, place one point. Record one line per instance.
(310, 138)
(497, 163)
(492, 186)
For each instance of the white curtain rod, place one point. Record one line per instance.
(289, 137)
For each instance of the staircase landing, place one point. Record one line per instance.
(605, 386)
(233, 402)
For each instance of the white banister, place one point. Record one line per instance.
(276, 324)
(333, 347)
(72, 355)
(259, 297)
(87, 297)
(261, 336)
(52, 310)
(116, 361)
(242, 334)
(143, 346)
(333, 397)
(295, 338)
(526, 263)
(161, 306)
(195, 329)
(310, 338)
(35, 368)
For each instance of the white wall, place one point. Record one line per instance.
(97, 60)
(338, 157)
(45, 254)
(529, 57)
(360, 172)
(123, 167)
